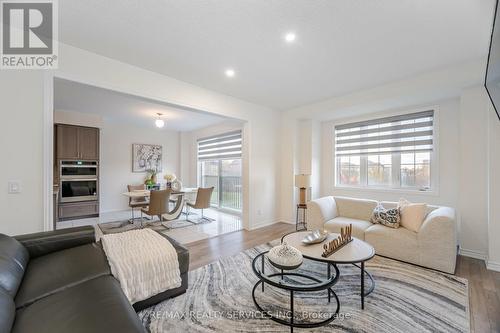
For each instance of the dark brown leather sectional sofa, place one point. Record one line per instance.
(60, 282)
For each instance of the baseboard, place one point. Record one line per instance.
(472, 254)
(263, 224)
(493, 266)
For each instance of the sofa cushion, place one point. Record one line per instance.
(13, 261)
(358, 226)
(412, 214)
(388, 217)
(400, 243)
(97, 305)
(53, 272)
(360, 209)
(7, 311)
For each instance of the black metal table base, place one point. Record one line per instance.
(364, 293)
(293, 289)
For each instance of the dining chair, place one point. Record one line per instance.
(158, 204)
(137, 202)
(202, 202)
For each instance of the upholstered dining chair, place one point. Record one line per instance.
(158, 204)
(139, 202)
(202, 202)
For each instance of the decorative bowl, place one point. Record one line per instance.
(285, 257)
(315, 237)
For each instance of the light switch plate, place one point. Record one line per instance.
(14, 187)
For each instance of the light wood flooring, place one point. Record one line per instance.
(484, 285)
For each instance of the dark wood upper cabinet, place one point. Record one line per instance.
(77, 143)
(88, 143)
(67, 142)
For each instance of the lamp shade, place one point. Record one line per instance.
(303, 181)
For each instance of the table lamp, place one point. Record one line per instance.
(303, 182)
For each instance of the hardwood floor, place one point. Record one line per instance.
(484, 285)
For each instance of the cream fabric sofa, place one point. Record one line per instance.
(433, 246)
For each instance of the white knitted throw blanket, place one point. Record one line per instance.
(143, 261)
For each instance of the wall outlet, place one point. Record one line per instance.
(259, 212)
(14, 187)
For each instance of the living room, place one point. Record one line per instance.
(381, 102)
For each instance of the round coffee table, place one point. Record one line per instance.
(355, 253)
(276, 279)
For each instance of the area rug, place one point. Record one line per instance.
(406, 299)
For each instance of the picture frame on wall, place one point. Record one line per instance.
(146, 157)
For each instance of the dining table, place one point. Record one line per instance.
(179, 197)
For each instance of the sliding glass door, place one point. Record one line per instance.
(225, 176)
(219, 165)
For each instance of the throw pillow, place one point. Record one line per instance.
(412, 214)
(388, 217)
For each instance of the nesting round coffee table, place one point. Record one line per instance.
(356, 253)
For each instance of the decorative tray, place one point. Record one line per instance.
(315, 237)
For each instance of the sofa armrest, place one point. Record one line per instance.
(437, 240)
(320, 211)
(41, 243)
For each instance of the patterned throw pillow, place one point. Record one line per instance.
(388, 217)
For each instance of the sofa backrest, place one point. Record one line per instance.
(7, 311)
(360, 209)
(392, 204)
(13, 261)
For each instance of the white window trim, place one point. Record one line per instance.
(434, 190)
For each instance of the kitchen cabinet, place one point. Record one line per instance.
(77, 142)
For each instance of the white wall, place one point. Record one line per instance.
(494, 191)
(78, 118)
(473, 191)
(21, 141)
(116, 160)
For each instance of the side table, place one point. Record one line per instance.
(300, 218)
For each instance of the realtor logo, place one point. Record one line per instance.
(29, 34)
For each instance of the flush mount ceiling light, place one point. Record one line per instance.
(230, 72)
(290, 37)
(159, 122)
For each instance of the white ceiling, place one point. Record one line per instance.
(341, 46)
(122, 108)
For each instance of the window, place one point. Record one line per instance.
(219, 165)
(390, 152)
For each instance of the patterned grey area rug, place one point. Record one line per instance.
(406, 299)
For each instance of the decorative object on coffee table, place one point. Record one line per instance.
(315, 237)
(285, 257)
(336, 244)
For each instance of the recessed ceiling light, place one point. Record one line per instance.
(290, 37)
(230, 72)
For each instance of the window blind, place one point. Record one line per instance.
(403, 133)
(227, 145)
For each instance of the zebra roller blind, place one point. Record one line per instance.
(227, 145)
(397, 134)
